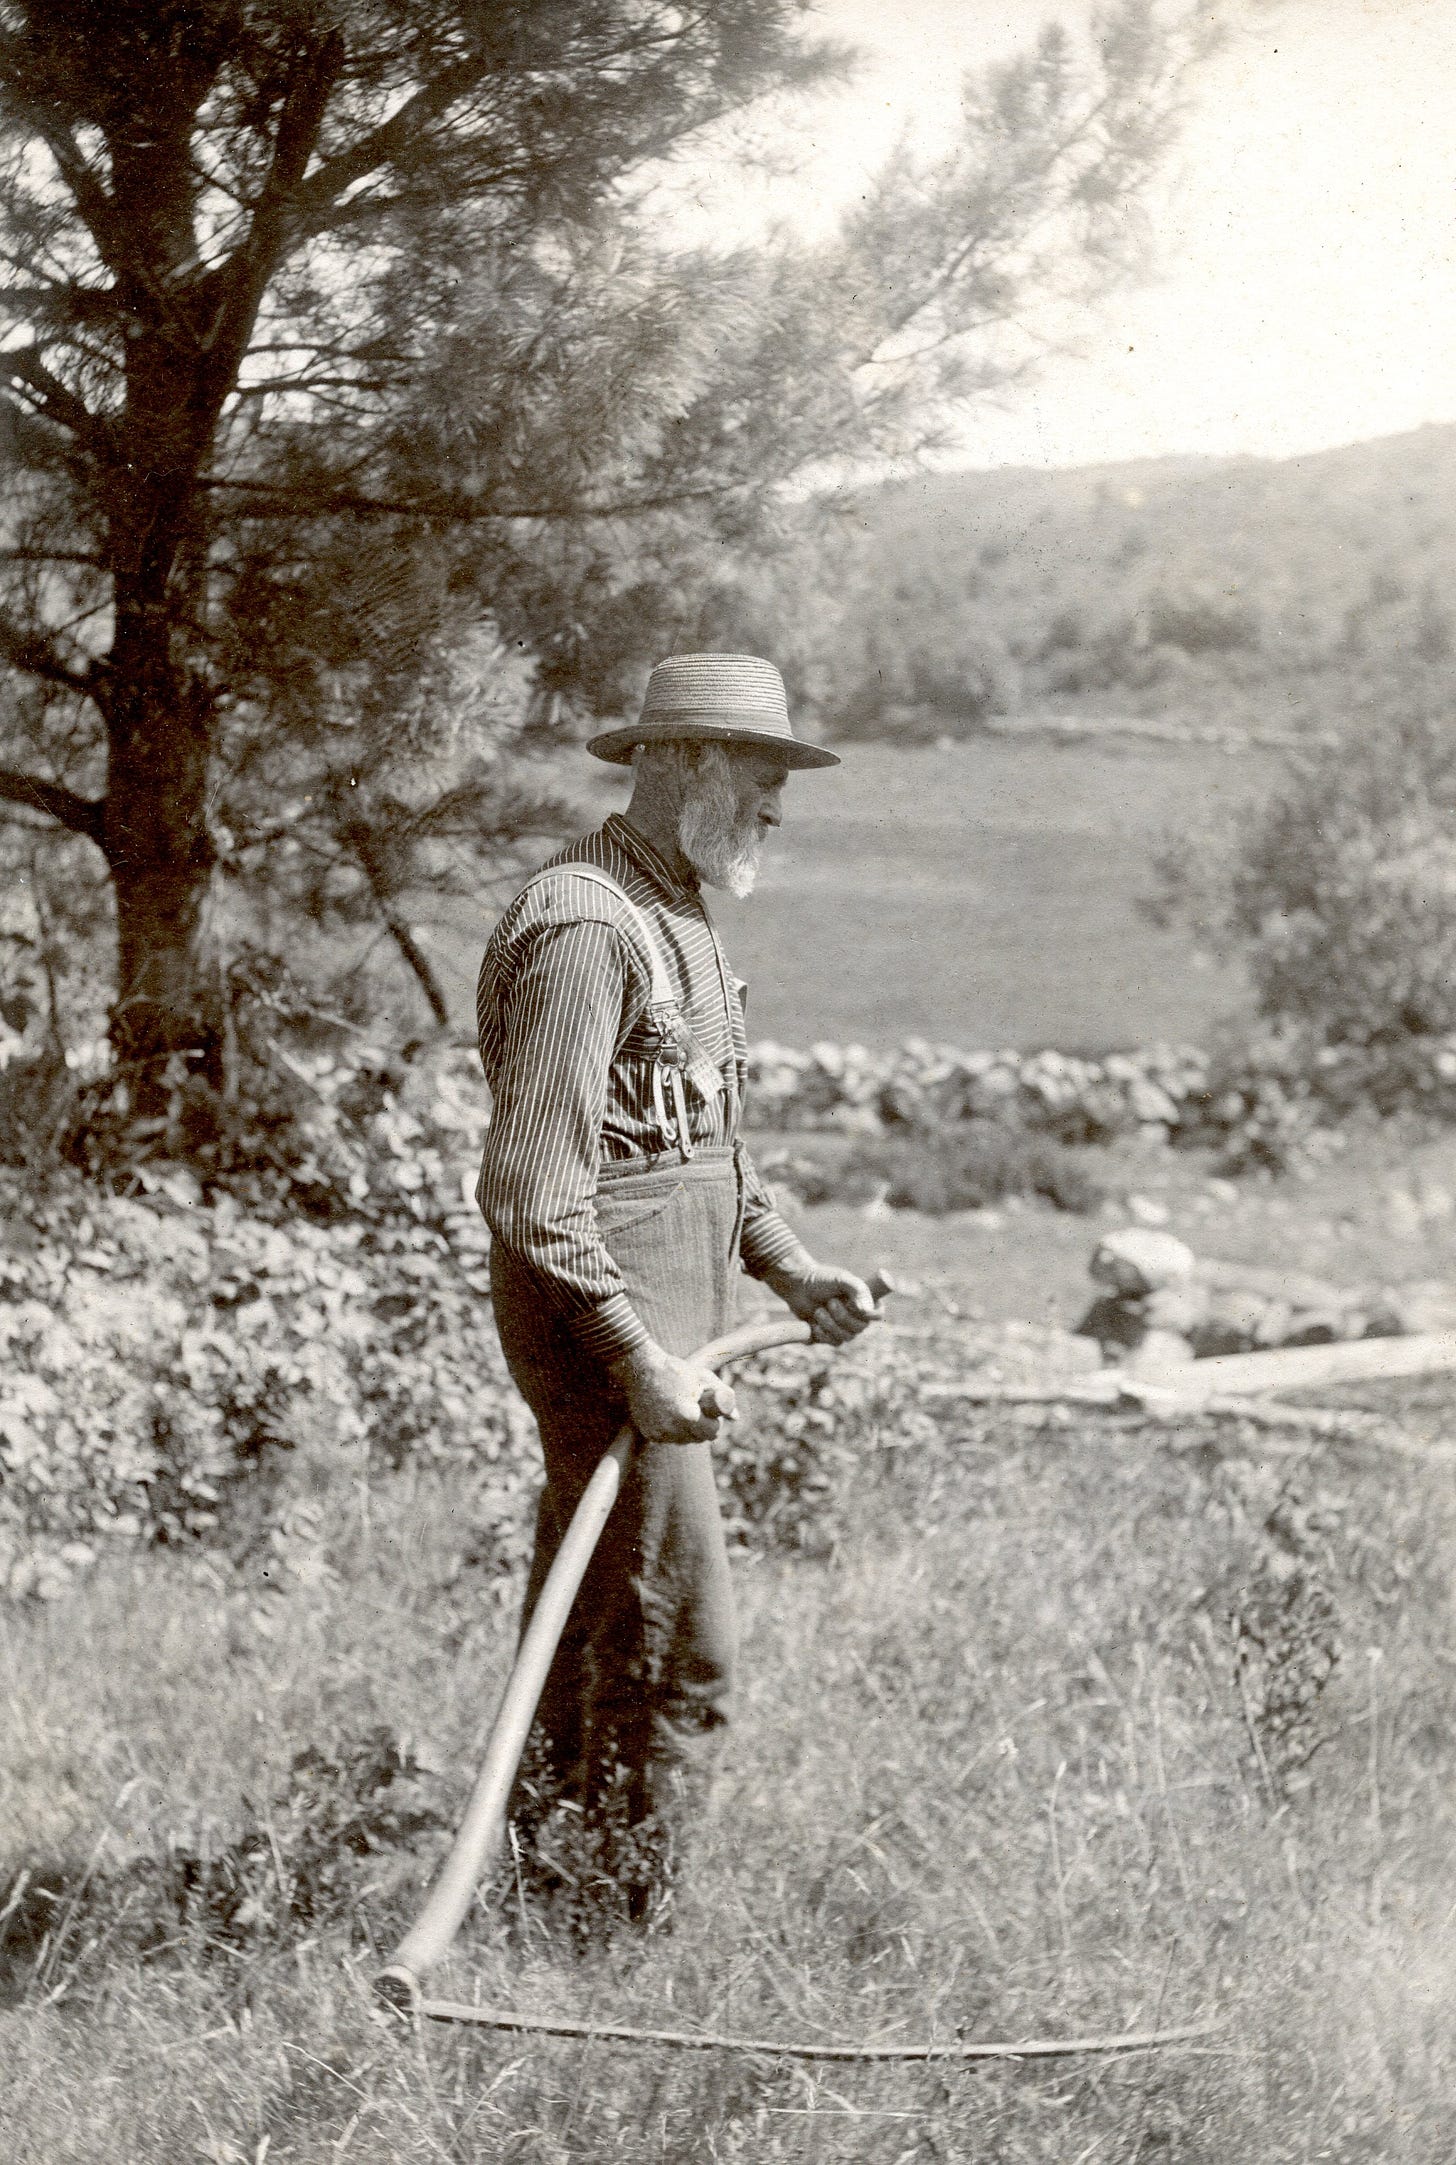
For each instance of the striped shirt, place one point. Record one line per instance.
(566, 1043)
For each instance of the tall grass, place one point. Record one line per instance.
(1038, 1748)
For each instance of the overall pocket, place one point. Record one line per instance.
(628, 1213)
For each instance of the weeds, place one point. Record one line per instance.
(1287, 1643)
(340, 1832)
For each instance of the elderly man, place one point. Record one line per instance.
(622, 1204)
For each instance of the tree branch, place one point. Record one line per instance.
(244, 279)
(360, 843)
(82, 815)
(288, 503)
(58, 301)
(282, 385)
(24, 368)
(97, 210)
(39, 555)
(317, 196)
(33, 655)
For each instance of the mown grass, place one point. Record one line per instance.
(1040, 1748)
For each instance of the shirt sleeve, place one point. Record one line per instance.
(769, 1248)
(562, 1020)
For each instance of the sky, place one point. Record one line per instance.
(1304, 286)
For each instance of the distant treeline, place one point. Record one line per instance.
(1248, 591)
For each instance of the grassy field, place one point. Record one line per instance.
(1071, 1726)
(985, 894)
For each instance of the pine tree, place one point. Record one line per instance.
(364, 426)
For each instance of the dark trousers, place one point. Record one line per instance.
(640, 1683)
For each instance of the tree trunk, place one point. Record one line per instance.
(161, 863)
(160, 714)
(156, 840)
(168, 997)
(188, 329)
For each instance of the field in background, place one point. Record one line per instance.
(983, 894)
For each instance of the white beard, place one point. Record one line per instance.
(722, 849)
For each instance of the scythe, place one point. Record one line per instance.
(399, 1983)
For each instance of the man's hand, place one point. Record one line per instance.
(834, 1303)
(672, 1401)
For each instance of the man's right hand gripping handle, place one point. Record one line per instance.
(671, 1400)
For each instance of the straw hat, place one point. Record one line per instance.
(717, 698)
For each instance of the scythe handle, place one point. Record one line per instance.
(483, 1826)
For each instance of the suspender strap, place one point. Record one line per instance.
(662, 994)
(662, 1003)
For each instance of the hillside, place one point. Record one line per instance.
(1273, 590)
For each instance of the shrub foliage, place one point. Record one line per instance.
(1344, 900)
(161, 1349)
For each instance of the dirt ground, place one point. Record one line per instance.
(1381, 1211)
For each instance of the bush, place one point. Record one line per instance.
(1341, 904)
(1199, 621)
(940, 1170)
(1344, 899)
(160, 1352)
(176, 1368)
(812, 1416)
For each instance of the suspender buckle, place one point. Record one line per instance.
(675, 1129)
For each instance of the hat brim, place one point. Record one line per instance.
(615, 745)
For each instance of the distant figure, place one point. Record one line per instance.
(622, 1204)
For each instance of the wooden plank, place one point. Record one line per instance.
(1302, 1368)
